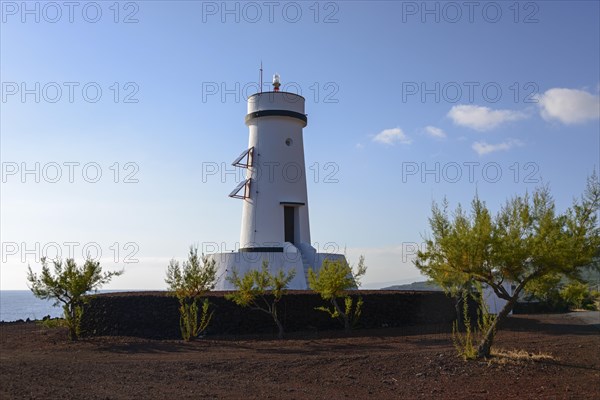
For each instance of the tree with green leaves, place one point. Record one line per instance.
(189, 283)
(260, 290)
(332, 282)
(68, 286)
(527, 242)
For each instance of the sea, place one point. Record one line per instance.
(22, 304)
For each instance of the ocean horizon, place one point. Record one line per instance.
(22, 304)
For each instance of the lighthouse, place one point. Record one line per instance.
(275, 220)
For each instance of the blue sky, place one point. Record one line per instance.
(407, 102)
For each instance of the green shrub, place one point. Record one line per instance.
(52, 323)
(577, 294)
(189, 283)
(68, 285)
(331, 282)
(253, 287)
(466, 343)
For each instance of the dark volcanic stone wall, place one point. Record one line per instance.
(156, 314)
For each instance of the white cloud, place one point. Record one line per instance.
(482, 118)
(569, 106)
(359, 146)
(435, 132)
(482, 148)
(392, 136)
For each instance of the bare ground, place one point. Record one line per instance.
(38, 362)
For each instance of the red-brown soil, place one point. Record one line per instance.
(39, 363)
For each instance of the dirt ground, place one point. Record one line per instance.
(39, 363)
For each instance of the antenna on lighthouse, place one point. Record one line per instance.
(260, 78)
(276, 82)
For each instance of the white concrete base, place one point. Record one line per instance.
(290, 258)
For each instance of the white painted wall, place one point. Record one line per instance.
(278, 174)
(494, 303)
(291, 258)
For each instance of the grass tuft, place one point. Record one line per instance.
(53, 322)
(502, 356)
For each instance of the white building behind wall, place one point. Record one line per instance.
(275, 219)
(494, 303)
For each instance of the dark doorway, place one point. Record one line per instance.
(288, 223)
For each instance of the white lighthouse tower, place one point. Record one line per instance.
(275, 221)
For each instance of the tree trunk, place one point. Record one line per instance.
(276, 319)
(280, 327)
(70, 314)
(342, 314)
(346, 323)
(458, 308)
(484, 348)
(72, 333)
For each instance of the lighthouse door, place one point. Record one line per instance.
(288, 222)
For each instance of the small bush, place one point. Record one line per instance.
(252, 289)
(68, 285)
(331, 282)
(188, 322)
(189, 283)
(577, 295)
(466, 343)
(52, 323)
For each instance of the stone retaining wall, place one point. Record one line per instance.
(156, 314)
